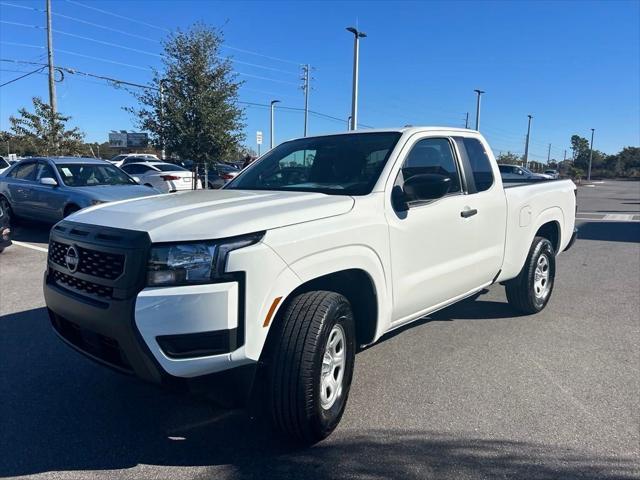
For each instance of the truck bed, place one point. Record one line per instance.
(527, 207)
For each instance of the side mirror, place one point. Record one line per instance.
(427, 186)
(48, 181)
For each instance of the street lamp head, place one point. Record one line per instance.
(356, 32)
(479, 92)
(273, 102)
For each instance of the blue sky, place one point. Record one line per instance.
(572, 65)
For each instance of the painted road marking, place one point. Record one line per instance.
(600, 219)
(32, 247)
(618, 216)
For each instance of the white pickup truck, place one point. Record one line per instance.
(265, 289)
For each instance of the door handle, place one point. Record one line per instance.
(468, 213)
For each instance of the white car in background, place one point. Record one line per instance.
(165, 177)
(127, 158)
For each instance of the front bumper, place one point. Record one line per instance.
(187, 336)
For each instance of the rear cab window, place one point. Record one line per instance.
(477, 162)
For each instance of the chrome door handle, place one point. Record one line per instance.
(468, 213)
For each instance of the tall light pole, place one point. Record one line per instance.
(549, 154)
(466, 121)
(354, 92)
(53, 102)
(590, 155)
(526, 144)
(305, 87)
(349, 122)
(271, 141)
(479, 92)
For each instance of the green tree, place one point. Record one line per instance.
(42, 133)
(580, 150)
(197, 116)
(509, 158)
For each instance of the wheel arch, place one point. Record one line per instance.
(551, 231)
(357, 286)
(68, 206)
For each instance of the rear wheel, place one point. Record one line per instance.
(312, 366)
(531, 290)
(6, 208)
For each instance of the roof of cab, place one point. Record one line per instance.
(409, 129)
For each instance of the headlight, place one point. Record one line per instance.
(193, 262)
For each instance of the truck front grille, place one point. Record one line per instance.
(91, 262)
(82, 286)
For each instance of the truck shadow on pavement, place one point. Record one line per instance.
(609, 231)
(60, 412)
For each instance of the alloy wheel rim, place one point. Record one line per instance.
(333, 365)
(541, 277)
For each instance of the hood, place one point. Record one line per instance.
(112, 193)
(211, 214)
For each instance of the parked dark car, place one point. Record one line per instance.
(49, 189)
(5, 230)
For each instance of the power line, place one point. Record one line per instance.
(146, 52)
(22, 76)
(249, 52)
(105, 12)
(80, 20)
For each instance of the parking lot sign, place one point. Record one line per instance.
(259, 137)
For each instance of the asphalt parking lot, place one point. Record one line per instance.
(472, 392)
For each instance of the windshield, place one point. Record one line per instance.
(335, 164)
(89, 175)
(3, 164)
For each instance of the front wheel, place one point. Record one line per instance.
(531, 290)
(312, 366)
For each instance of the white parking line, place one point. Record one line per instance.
(594, 219)
(32, 247)
(618, 216)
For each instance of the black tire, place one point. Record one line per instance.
(6, 208)
(523, 293)
(295, 373)
(70, 209)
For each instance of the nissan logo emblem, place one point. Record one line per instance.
(72, 259)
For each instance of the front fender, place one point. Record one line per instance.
(350, 257)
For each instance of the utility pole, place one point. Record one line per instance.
(53, 103)
(549, 154)
(271, 141)
(479, 92)
(590, 155)
(354, 92)
(305, 88)
(526, 144)
(466, 122)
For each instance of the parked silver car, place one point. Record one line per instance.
(49, 189)
(515, 173)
